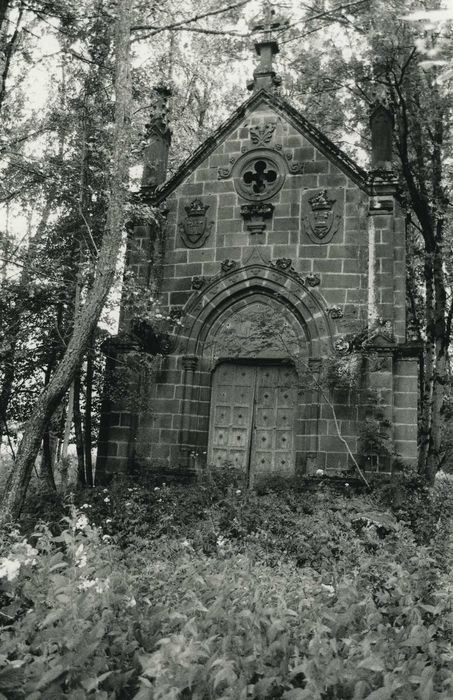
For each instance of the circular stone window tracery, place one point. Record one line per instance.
(259, 176)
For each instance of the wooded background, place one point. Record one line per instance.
(76, 81)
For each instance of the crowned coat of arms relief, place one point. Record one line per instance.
(320, 217)
(195, 228)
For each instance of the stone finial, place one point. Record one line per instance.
(266, 25)
(158, 139)
(381, 125)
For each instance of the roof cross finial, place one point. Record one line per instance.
(268, 21)
(267, 24)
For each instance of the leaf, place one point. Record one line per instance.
(144, 694)
(51, 675)
(51, 617)
(380, 694)
(294, 694)
(372, 663)
(10, 678)
(93, 683)
(60, 565)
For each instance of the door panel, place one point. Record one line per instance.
(231, 415)
(253, 410)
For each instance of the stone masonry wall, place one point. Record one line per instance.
(359, 284)
(340, 264)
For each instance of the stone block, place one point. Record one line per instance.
(201, 255)
(285, 224)
(227, 199)
(226, 213)
(191, 188)
(280, 238)
(169, 436)
(179, 298)
(340, 280)
(205, 174)
(405, 432)
(188, 270)
(332, 179)
(317, 166)
(231, 252)
(217, 186)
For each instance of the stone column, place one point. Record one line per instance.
(158, 138)
(189, 364)
(118, 412)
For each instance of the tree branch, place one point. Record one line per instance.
(190, 20)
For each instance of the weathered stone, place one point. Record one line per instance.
(320, 256)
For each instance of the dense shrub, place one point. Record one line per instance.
(217, 592)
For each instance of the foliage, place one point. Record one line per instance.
(217, 601)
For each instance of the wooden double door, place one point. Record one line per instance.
(253, 412)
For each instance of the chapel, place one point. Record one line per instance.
(279, 265)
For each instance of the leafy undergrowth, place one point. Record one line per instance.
(211, 591)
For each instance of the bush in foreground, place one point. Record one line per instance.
(238, 596)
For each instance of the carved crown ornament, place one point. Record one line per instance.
(320, 219)
(195, 228)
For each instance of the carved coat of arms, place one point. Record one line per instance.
(321, 220)
(195, 228)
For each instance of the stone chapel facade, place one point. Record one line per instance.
(268, 222)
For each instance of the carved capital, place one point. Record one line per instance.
(190, 362)
(315, 364)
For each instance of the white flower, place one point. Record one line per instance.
(238, 492)
(106, 538)
(346, 484)
(185, 543)
(319, 472)
(85, 585)
(131, 603)
(9, 568)
(81, 522)
(327, 588)
(156, 488)
(102, 586)
(109, 520)
(159, 500)
(83, 561)
(106, 499)
(221, 541)
(105, 490)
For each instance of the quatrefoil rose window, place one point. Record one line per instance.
(259, 177)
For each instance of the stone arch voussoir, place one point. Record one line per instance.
(210, 303)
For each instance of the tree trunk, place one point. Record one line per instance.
(81, 481)
(88, 423)
(47, 462)
(17, 483)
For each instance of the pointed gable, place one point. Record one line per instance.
(262, 102)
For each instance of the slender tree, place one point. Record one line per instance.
(85, 324)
